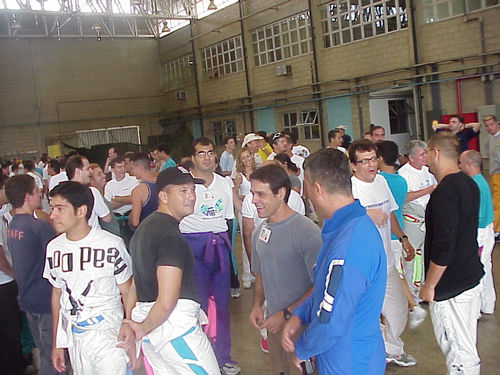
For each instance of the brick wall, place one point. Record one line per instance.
(52, 88)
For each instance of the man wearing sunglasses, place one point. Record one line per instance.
(206, 232)
(373, 193)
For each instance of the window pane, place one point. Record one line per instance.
(368, 30)
(286, 52)
(315, 132)
(346, 36)
(356, 33)
(392, 24)
(458, 7)
(474, 4)
(379, 27)
(442, 10)
(336, 39)
(326, 42)
(334, 23)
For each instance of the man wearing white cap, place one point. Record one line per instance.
(251, 141)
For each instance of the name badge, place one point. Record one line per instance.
(264, 234)
(208, 195)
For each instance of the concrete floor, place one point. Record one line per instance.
(419, 342)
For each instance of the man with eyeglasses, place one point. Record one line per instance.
(373, 193)
(205, 230)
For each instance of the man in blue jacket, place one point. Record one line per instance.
(342, 313)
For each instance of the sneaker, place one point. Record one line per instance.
(263, 345)
(416, 317)
(230, 369)
(404, 360)
(235, 293)
(247, 284)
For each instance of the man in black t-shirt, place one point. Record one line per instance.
(167, 315)
(452, 264)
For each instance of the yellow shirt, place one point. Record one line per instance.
(263, 153)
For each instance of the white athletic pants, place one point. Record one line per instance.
(246, 275)
(486, 242)
(94, 352)
(416, 236)
(455, 328)
(178, 346)
(395, 311)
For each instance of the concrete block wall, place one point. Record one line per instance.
(71, 84)
(52, 88)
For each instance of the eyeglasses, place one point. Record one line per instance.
(204, 154)
(366, 161)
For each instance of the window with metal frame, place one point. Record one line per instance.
(437, 10)
(399, 112)
(223, 58)
(223, 129)
(346, 21)
(178, 72)
(282, 39)
(304, 124)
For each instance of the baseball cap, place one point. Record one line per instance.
(341, 127)
(175, 176)
(249, 138)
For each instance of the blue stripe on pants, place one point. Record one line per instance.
(181, 347)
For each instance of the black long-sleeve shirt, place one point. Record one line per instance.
(451, 220)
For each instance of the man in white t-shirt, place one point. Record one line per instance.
(119, 189)
(335, 140)
(282, 142)
(56, 174)
(77, 169)
(206, 232)
(421, 183)
(111, 155)
(374, 194)
(91, 273)
(29, 170)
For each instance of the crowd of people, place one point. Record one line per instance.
(131, 264)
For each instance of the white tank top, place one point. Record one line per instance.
(244, 186)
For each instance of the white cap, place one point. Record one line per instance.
(249, 138)
(341, 127)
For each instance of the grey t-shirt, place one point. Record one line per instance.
(494, 153)
(287, 260)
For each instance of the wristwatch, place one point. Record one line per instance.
(402, 237)
(287, 314)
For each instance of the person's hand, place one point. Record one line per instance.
(57, 358)
(126, 336)
(134, 361)
(136, 328)
(378, 216)
(296, 362)
(275, 322)
(256, 317)
(408, 249)
(289, 331)
(427, 293)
